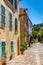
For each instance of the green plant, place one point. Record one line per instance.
(23, 47)
(40, 34)
(41, 40)
(31, 39)
(34, 34)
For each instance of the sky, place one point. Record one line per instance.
(35, 10)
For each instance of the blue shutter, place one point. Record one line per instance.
(3, 49)
(16, 4)
(16, 24)
(12, 48)
(10, 20)
(3, 16)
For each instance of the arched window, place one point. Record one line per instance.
(3, 46)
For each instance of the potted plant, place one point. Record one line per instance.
(22, 48)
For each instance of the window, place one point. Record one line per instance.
(10, 21)
(3, 49)
(16, 25)
(16, 4)
(3, 16)
(12, 48)
(11, 1)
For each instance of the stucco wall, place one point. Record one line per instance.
(6, 34)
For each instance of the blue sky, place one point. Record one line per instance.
(35, 10)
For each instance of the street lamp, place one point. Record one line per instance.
(26, 10)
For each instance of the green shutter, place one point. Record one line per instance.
(16, 24)
(12, 48)
(10, 21)
(3, 49)
(3, 16)
(16, 5)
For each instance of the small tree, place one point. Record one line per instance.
(41, 34)
(31, 39)
(34, 34)
(39, 37)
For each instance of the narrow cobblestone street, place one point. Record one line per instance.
(32, 56)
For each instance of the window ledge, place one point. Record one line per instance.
(16, 32)
(10, 29)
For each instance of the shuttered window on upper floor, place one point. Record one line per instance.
(16, 4)
(2, 16)
(11, 1)
(10, 20)
(16, 25)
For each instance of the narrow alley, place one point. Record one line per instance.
(32, 56)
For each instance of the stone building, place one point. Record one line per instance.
(29, 30)
(9, 30)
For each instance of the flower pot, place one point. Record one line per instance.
(22, 52)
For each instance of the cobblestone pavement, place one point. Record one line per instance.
(32, 56)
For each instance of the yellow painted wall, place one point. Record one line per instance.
(22, 39)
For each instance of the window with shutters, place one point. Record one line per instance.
(11, 1)
(2, 16)
(16, 25)
(10, 21)
(11, 46)
(3, 45)
(16, 4)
